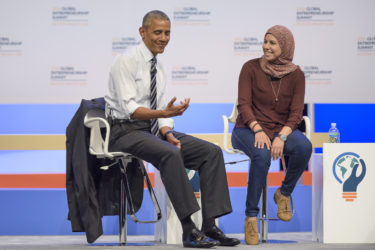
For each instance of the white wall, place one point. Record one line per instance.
(59, 51)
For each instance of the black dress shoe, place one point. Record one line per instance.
(216, 234)
(197, 239)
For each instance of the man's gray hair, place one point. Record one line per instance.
(153, 14)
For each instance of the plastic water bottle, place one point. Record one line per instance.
(333, 134)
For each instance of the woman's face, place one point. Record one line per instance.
(271, 48)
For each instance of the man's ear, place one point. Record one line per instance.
(142, 32)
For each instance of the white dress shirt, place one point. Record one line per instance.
(129, 85)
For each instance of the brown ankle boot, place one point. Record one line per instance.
(283, 206)
(251, 232)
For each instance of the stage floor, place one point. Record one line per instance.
(288, 241)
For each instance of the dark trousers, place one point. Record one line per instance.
(195, 154)
(298, 149)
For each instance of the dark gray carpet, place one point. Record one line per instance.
(276, 241)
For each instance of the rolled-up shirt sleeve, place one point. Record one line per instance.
(164, 122)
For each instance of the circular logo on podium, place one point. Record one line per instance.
(349, 170)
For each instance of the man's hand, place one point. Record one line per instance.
(175, 110)
(173, 140)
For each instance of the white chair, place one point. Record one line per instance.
(264, 198)
(95, 120)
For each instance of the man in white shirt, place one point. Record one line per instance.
(131, 110)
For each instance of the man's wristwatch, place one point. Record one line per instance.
(168, 132)
(282, 137)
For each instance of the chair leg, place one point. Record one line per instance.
(151, 192)
(264, 214)
(123, 211)
(126, 202)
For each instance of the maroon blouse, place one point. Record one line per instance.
(256, 99)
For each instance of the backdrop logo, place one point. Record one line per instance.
(314, 15)
(345, 170)
(366, 45)
(316, 75)
(69, 15)
(10, 47)
(68, 75)
(123, 44)
(189, 75)
(247, 46)
(191, 16)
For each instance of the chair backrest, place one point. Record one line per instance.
(232, 119)
(95, 120)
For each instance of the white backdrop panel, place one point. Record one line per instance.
(60, 51)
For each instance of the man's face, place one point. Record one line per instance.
(156, 35)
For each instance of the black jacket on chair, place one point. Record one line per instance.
(92, 192)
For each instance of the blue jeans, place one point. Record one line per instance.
(298, 149)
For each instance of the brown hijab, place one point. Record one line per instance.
(283, 64)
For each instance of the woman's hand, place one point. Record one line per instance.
(261, 140)
(277, 148)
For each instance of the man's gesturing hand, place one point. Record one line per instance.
(175, 110)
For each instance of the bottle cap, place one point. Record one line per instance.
(333, 124)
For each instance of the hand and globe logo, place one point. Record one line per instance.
(349, 170)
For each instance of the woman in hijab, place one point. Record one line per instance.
(271, 94)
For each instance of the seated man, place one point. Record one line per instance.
(141, 125)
